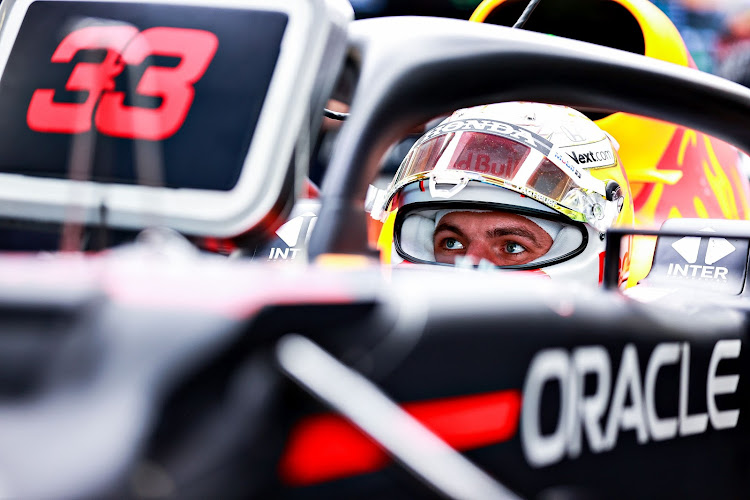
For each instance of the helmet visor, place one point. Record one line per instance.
(525, 163)
(481, 153)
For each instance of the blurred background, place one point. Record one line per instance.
(716, 32)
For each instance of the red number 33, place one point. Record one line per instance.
(125, 46)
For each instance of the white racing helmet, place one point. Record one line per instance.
(517, 185)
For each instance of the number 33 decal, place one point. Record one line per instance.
(125, 46)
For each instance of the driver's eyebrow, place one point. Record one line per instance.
(448, 227)
(517, 231)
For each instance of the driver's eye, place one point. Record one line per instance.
(513, 247)
(452, 244)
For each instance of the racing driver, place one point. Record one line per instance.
(519, 185)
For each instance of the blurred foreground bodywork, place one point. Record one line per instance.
(158, 370)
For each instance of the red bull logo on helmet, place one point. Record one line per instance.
(482, 163)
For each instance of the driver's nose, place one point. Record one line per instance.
(479, 250)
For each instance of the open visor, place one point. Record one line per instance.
(473, 235)
(515, 159)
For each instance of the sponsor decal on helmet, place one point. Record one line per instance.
(481, 163)
(563, 163)
(628, 404)
(598, 154)
(503, 129)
